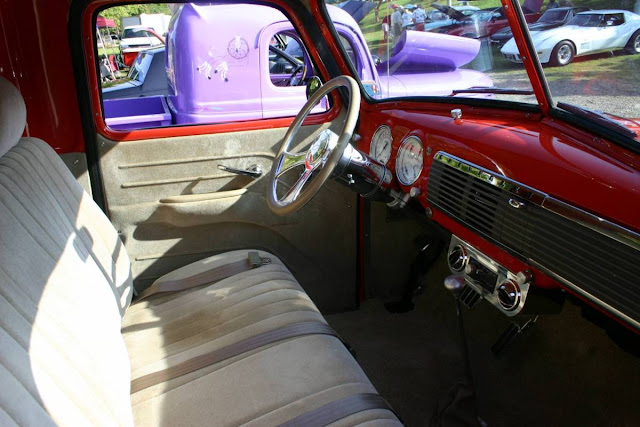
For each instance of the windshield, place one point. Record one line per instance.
(553, 15)
(482, 16)
(592, 62)
(140, 67)
(131, 33)
(589, 20)
(410, 50)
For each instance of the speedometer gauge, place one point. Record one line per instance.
(381, 144)
(409, 160)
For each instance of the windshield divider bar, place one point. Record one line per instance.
(528, 53)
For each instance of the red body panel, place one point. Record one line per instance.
(538, 153)
(35, 56)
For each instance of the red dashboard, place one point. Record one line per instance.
(547, 156)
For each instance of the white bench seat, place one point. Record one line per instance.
(71, 342)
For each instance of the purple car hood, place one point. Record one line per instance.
(433, 84)
(423, 52)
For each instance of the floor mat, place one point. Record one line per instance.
(567, 371)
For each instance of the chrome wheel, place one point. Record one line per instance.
(636, 44)
(564, 54)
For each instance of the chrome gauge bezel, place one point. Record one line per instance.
(374, 142)
(399, 158)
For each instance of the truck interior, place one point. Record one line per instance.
(307, 247)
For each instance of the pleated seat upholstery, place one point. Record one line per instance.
(71, 342)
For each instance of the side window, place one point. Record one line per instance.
(289, 64)
(211, 66)
(613, 20)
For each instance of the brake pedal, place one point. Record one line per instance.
(510, 335)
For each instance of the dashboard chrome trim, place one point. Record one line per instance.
(551, 204)
(577, 289)
(502, 274)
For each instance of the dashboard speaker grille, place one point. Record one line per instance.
(600, 266)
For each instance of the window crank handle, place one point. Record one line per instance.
(254, 171)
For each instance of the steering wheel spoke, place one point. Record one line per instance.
(296, 188)
(289, 161)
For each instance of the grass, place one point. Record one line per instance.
(111, 50)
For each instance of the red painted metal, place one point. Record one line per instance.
(548, 155)
(35, 56)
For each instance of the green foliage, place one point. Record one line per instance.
(119, 12)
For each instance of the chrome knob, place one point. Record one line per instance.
(509, 294)
(454, 284)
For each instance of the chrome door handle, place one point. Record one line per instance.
(254, 171)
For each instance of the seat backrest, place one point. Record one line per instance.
(65, 283)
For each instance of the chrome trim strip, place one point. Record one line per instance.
(633, 322)
(573, 213)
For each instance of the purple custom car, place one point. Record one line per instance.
(228, 63)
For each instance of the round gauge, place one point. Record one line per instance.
(381, 144)
(409, 160)
(238, 48)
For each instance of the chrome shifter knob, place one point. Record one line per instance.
(454, 284)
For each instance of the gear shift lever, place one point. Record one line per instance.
(455, 284)
(459, 407)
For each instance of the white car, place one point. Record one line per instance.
(587, 33)
(136, 39)
(138, 36)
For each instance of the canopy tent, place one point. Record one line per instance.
(105, 23)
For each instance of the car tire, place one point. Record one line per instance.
(562, 54)
(633, 45)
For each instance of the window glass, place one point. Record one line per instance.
(433, 50)
(217, 63)
(140, 67)
(592, 61)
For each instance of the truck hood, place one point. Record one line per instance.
(423, 52)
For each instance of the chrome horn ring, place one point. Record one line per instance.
(321, 158)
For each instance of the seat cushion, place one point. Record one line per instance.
(265, 386)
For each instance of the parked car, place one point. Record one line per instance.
(437, 18)
(147, 77)
(588, 32)
(551, 18)
(135, 39)
(206, 81)
(482, 23)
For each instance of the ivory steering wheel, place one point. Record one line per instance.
(320, 159)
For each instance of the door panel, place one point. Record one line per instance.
(172, 206)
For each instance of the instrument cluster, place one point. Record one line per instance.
(409, 157)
